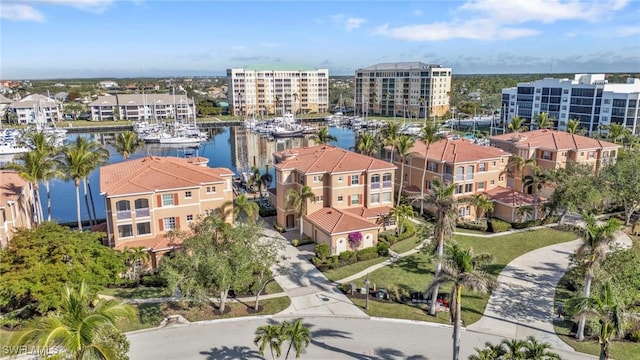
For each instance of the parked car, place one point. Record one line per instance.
(84, 116)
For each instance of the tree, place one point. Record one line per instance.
(267, 263)
(516, 167)
(607, 310)
(37, 264)
(462, 268)
(80, 158)
(403, 147)
(543, 121)
(537, 181)
(82, 328)
(524, 211)
(136, 258)
(572, 126)
(576, 189)
(597, 240)
(265, 181)
(622, 182)
(246, 207)
(254, 178)
(517, 125)
(441, 197)
(31, 170)
(390, 135)
(401, 212)
(367, 144)
(616, 131)
(428, 135)
(298, 336)
(297, 201)
(482, 205)
(269, 335)
(512, 349)
(323, 136)
(126, 143)
(277, 103)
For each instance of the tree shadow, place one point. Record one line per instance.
(324, 333)
(231, 353)
(413, 265)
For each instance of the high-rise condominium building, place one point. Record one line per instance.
(588, 98)
(259, 91)
(403, 89)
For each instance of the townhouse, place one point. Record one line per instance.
(16, 205)
(352, 192)
(37, 109)
(147, 198)
(142, 107)
(471, 167)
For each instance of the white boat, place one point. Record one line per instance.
(287, 131)
(11, 148)
(166, 138)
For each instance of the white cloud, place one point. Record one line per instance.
(96, 6)
(349, 23)
(625, 31)
(18, 12)
(503, 19)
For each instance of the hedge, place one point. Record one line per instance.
(472, 226)
(267, 212)
(304, 241)
(497, 225)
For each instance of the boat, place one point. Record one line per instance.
(166, 138)
(287, 131)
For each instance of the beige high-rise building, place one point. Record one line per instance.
(404, 88)
(261, 91)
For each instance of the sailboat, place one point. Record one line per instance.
(182, 133)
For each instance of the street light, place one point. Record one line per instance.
(366, 282)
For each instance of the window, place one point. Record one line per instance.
(386, 197)
(355, 199)
(211, 189)
(169, 223)
(461, 212)
(339, 178)
(187, 194)
(319, 198)
(355, 179)
(375, 198)
(143, 228)
(468, 188)
(386, 180)
(481, 185)
(592, 154)
(493, 163)
(482, 167)
(189, 218)
(167, 199)
(433, 167)
(546, 155)
(125, 230)
(375, 178)
(459, 189)
(493, 182)
(501, 178)
(607, 101)
(317, 178)
(340, 198)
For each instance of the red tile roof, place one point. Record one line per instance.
(369, 213)
(156, 243)
(457, 151)
(328, 159)
(333, 221)
(153, 173)
(11, 186)
(552, 140)
(509, 197)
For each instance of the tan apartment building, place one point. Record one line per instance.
(352, 192)
(148, 197)
(16, 205)
(473, 168)
(142, 107)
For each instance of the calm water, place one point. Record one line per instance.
(232, 148)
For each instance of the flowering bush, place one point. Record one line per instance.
(355, 239)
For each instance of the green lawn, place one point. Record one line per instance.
(141, 292)
(348, 270)
(406, 245)
(4, 339)
(467, 231)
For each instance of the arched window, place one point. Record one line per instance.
(142, 207)
(123, 210)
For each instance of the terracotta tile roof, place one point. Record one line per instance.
(11, 186)
(508, 197)
(333, 221)
(369, 213)
(157, 173)
(159, 242)
(457, 151)
(552, 140)
(329, 159)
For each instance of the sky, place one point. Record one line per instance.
(46, 39)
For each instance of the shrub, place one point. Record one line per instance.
(323, 251)
(368, 253)
(295, 242)
(150, 313)
(333, 262)
(498, 225)
(154, 280)
(355, 239)
(408, 227)
(382, 248)
(279, 228)
(347, 257)
(635, 336)
(472, 226)
(263, 212)
(526, 224)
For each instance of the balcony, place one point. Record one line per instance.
(457, 177)
(123, 214)
(375, 185)
(468, 177)
(386, 184)
(142, 212)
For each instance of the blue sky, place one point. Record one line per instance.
(106, 38)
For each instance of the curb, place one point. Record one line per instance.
(415, 322)
(201, 323)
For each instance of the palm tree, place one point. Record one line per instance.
(482, 205)
(462, 268)
(604, 308)
(269, 335)
(277, 104)
(490, 352)
(390, 136)
(428, 135)
(524, 211)
(79, 327)
(573, 126)
(543, 121)
(535, 350)
(323, 136)
(401, 212)
(246, 207)
(138, 254)
(80, 158)
(297, 201)
(126, 143)
(537, 180)
(517, 125)
(403, 147)
(298, 335)
(254, 178)
(592, 253)
(441, 197)
(265, 181)
(367, 144)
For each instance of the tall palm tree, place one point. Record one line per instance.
(463, 269)
(79, 327)
(403, 147)
(277, 103)
(269, 335)
(246, 207)
(32, 170)
(592, 253)
(254, 178)
(367, 144)
(297, 201)
(80, 158)
(441, 197)
(126, 143)
(536, 180)
(604, 308)
(517, 125)
(51, 165)
(265, 181)
(572, 126)
(323, 136)
(401, 212)
(428, 135)
(390, 135)
(298, 336)
(482, 205)
(543, 121)
(616, 131)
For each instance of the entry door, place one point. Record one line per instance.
(341, 245)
